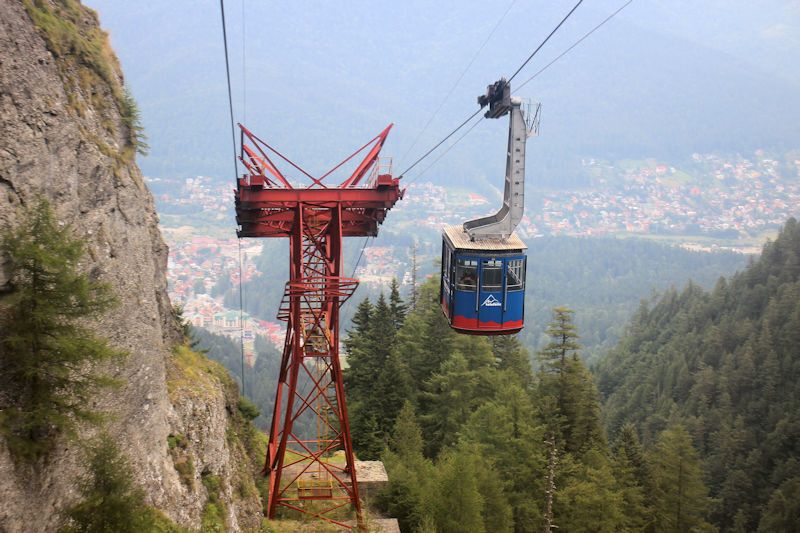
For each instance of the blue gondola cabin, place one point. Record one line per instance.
(483, 283)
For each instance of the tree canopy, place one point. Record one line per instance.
(48, 356)
(725, 364)
(469, 446)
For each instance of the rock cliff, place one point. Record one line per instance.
(68, 132)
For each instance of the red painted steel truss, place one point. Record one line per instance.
(312, 474)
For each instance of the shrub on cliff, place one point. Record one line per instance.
(111, 502)
(47, 355)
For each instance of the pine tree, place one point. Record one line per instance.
(507, 432)
(411, 476)
(406, 439)
(377, 378)
(357, 339)
(681, 498)
(511, 356)
(588, 500)
(110, 500)
(426, 340)
(357, 345)
(633, 480)
(382, 327)
(446, 403)
(392, 389)
(47, 355)
(358, 377)
(782, 514)
(459, 505)
(550, 485)
(563, 335)
(397, 306)
(580, 407)
(366, 435)
(496, 512)
(568, 398)
(408, 496)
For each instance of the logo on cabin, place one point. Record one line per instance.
(491, 301)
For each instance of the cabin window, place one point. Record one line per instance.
(515, 275)
(466, 274)
(492, 275)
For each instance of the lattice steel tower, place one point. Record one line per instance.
(316, 475)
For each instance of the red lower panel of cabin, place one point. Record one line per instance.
(473, 326)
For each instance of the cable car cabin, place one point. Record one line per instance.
(483, 283)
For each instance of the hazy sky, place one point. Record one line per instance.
(664, 78)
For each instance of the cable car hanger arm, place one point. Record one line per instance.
(500, 102)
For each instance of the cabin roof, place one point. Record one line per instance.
(461, 241)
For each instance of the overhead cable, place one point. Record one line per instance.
(244, 65)
(424, 170)
(360, 255)
(241, 314)
(548, 65)
(236, 175)
(426, 154)
(230, 97)
(576, 43)
(571, 11)
(463, 73)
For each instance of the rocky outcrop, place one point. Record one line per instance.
(66, 133)
(213, 447)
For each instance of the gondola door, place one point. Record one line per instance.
(490, 296)
(464, 314)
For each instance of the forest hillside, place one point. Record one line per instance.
(698, 431)
(475, 440)
(726, 363)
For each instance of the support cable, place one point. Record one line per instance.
(241, 315)
(244, 65)
(576, 43)
(230, 97)
(426, 169)
(235, 175)
(360, 255)
(441, 142)
(358, 261)
(540, 71)
(426, 154)
(461, 77)
(568, 15)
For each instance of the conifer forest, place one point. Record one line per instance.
(689, 424)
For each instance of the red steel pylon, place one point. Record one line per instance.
(312, 474)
